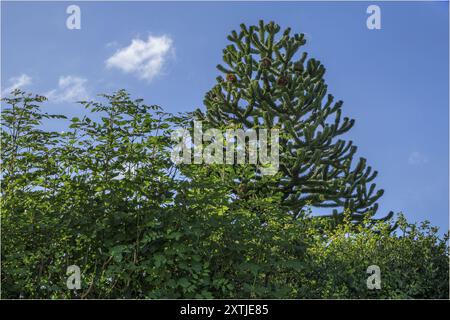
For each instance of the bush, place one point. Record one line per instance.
(104, 196)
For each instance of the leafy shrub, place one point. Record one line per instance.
(105, 196)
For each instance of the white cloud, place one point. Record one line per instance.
(142, 58)
(70, 89)
(416, 158)
(17, 83)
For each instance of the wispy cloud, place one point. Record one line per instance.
(70, 89)
(112, 44)
(17, 83)
(144, 59)
(416, 158)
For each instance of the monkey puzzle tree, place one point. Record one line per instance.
(267, 83)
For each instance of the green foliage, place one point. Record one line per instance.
(413, 260)
(91, 196)
(104, 195)
(269, 83)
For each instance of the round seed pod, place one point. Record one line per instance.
(231, 78)
(266, 62)
(282, 81)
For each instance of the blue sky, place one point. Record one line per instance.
(393, 81)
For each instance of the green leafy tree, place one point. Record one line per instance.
(92, 196)
(28, 168)
(267, 83)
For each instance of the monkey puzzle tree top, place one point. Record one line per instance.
(269, 83)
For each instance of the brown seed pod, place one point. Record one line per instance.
(266, 62)
(231, 78)
(282, 81)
